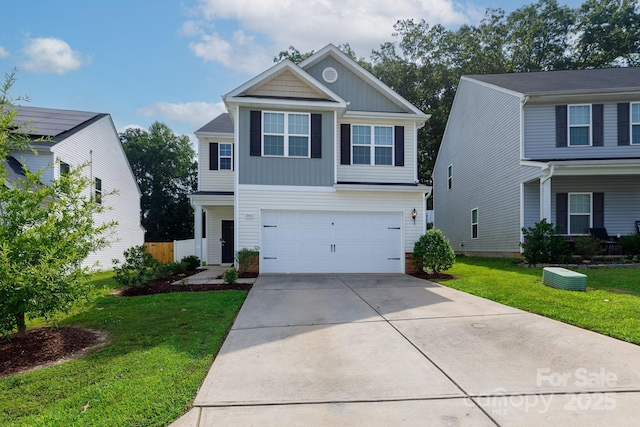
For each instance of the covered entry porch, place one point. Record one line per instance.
(214, 217)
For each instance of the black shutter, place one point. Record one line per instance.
(399, 147)
(623, 123)
(561, 125)
(255, 134)
(598, 126)
(316, 136)
(345, 144)
(213, 156)
(598, 210)
(562, 212)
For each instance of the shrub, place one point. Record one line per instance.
(245, 256)
(587, 246)
(191, 262)
(165, 270)
(230, 276)
(433, 252)
(542, 244)
(631, 245)
(138, 268)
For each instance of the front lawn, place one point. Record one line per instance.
(160, 349)
(610, 306)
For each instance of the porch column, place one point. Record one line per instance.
(545, 199)
(197, 230)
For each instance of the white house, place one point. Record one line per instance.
(316, 165)
(76, 138)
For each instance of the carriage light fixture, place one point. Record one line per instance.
(414, 214)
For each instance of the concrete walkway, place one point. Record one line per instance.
(386, 350)
(208, 277)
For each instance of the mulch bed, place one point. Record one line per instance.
(432, 276)
(164, 286)
(44, 346)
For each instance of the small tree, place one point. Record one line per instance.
(433, 252)
(542, 244)
(46, 231)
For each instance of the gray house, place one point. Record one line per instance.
(559, 145)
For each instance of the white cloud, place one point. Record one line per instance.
(196, 114)
(3, 53)
(307, 25)
(52, 55)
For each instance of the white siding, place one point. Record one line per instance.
(251, 201)
(371, 173)
(111, 166)
(41, 161)
(215, 216)
(208, 180)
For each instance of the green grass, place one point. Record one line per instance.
(160, 349)
(610, 306)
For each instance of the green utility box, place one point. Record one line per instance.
(561, 278)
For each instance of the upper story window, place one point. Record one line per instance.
(286, 134)
(98, 190)
(579, 125)
(635, 123)
(64, 168)
(449, 177)
(372, 145)
(225, 156)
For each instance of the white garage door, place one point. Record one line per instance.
(331, 242)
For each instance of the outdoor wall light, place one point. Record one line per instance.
(414, 214)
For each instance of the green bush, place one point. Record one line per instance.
(244, 257)
(191, 262)
(433, 252)
(230, 276)
(631, 245)
(138, 268)
(542, 244)
(587, 246)
(165, 270)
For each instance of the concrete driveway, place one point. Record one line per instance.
(390, 349)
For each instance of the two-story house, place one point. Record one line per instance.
(77, 138)
(316, 165)
(558, 145)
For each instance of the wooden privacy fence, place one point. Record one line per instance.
(161, 251)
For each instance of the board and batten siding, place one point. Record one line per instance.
(387, 173)
(482, 143)
(362, 96)
(269, 170)
(251, 201)
(215, 216)
(111, 166)
(212, 180)
(540, 136)
(621, 198)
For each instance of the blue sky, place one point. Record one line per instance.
(147, 60)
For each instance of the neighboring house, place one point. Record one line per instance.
(316, 165)
(558, 145)
(76, 138)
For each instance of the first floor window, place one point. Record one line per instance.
(579, 213)
(98, 190)
(474, 223)
(64, 168)
(579, 125)
(449, 177)
(286, 134)
(372, 145)
(225, 155)
(635, 123)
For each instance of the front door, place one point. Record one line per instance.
(227, 242)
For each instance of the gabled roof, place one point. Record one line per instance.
(53, 123)
(221, 124)
(565, 81)
(13, 168)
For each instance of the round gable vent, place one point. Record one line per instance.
(329, 75)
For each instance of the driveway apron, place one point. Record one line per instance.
(391, 349)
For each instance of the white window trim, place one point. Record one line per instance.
(569, 126)
(632, 123)
(569, 214)
(450, 177)
(286, 135)
(475, 223)
(372, 152)
(220, 156)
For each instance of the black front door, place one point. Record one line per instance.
(227, 242)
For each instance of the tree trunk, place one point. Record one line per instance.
(22, 327)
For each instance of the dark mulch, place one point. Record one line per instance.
(433, 276)
(164, 286)
(44, 346)
(245, 275)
